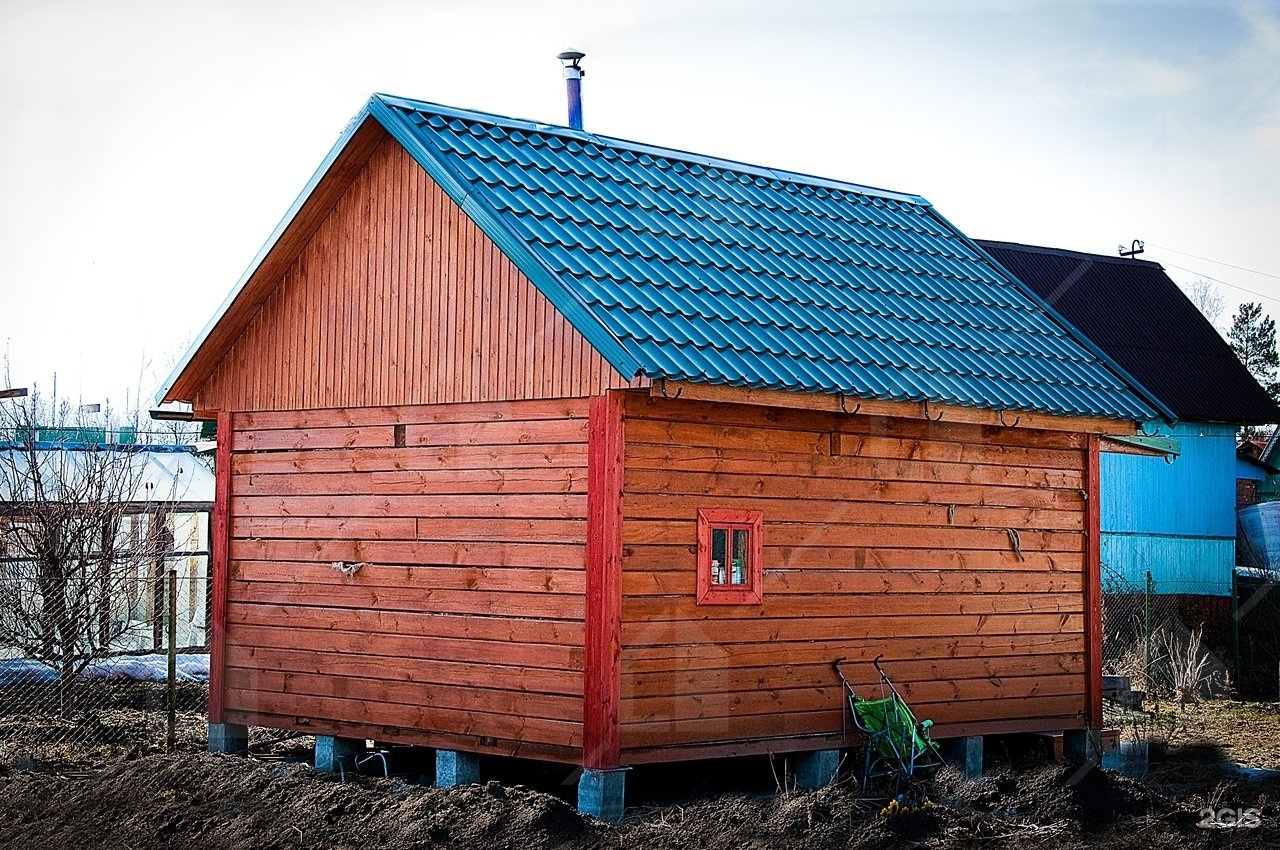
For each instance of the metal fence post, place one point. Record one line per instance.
(1235, 631)
(172, 728)
(1148, 591)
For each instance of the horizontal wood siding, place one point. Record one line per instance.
(464, 626)
(397, 298)
(956, 550)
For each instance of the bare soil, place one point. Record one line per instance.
(143, 799)
(1247, 732)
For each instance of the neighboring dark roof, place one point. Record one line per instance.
(1245, 456)
(1134, 312)
(1268, 453)
(682, 266)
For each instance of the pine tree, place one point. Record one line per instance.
(1253, 338)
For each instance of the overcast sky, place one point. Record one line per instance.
(148, 149)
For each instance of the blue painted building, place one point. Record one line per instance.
(1175, 515)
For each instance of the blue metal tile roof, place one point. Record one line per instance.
(681, 266)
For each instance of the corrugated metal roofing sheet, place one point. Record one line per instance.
(1136, 314)
(687, 267)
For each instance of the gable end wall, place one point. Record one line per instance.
(399, 298)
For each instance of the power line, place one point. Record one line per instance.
(1225, 283)
(1215, 262)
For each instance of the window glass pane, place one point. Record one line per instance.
(719, 561)
(741, 541)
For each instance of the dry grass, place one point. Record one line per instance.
(1245, 732)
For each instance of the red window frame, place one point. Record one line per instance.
(750, 592)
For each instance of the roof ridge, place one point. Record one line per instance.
(1066, 252)
(706, 160)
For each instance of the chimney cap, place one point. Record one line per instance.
(570, 55)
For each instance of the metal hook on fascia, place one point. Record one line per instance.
(844, 408)
(1005, 424)
(1142, 429)
(938, 418)
(663, 390)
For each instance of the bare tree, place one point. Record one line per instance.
(82, 533)
(1208, 299)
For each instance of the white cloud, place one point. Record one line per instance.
(1268, 136)
(1263, 24)
(1162, 79)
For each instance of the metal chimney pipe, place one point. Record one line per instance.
(573, 75)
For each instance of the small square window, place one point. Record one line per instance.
(730, 563)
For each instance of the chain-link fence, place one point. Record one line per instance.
(109, 653)
(1183, 639)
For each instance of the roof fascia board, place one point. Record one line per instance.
(1075, 333)
(515, 248)
(1167, 447)
(902, 409)
(654, 150)
(353, 126)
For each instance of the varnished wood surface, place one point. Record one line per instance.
(465, 620)
(955, 549)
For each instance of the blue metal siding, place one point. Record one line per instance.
(1175, 519)
(1197, 566)
(1250, 471)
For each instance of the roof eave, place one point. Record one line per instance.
(171, 389)
(1238, 421)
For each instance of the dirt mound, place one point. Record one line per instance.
(750, 822)
(1085, 798)
(200, 800)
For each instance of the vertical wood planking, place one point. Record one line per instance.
(220, 540)
(601, 742)
(399, 298)
(1093, 582)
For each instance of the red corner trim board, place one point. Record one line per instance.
(220, 541)
(600, 737)
(1093, 584)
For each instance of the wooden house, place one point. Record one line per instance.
(1174, 520)
(542, 443)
